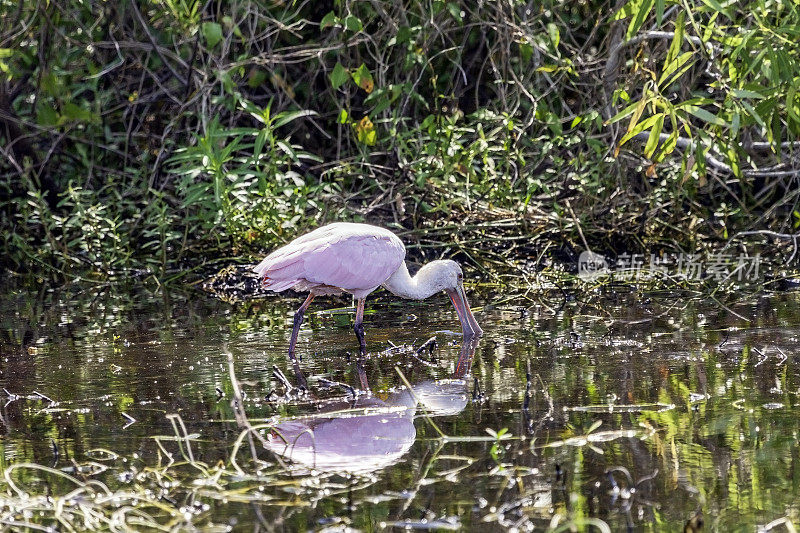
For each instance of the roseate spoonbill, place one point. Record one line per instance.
(357, 259)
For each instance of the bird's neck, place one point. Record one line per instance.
(403, 285)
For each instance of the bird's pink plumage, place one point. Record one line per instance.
(351, 257)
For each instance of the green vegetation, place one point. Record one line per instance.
(137, 136)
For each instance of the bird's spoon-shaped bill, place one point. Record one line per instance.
(469, 325)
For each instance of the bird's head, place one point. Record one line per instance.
(446, 275)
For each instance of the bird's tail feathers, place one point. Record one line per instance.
(278, 285)
(262, 267)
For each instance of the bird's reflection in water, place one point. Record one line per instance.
(367, 434)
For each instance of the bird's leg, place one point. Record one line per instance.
(298, 320)
(362, 374)
(358, 326)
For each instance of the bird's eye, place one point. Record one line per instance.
(460, 277)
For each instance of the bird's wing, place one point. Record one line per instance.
(348, 256)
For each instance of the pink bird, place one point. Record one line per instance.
(357, 259)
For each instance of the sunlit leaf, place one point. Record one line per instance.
(623, 114)
(705, 116)
(289, 116)
(677, 39)
(329, 20)
(641, 14)
(365, 131)
(644, 125)
(716, 6)
(555, 36)
(742, 93)
(672, 67)
(733, 161)
(363, 78)
(655, 133)
(637, 114)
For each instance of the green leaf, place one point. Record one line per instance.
(261, 140)
(365, 131)
(672, 67)
(370, 138)
(667, 147)
(709, 29)
(659, 11)
(342, 116)
(791, 106)
(455, 11)
(742, 93)
(753, 113)
(625, 11)
(733, 161)
(363, 78)
(677, 39)
(339, 76)
(285, 117)
(46, 115)
(353, 23)
(624, 113)
(642, 126)
(380, 98)
(716, 6)
(329, 20)
(257, 78)
(637, 114)
(288, 150)
(704, 115)
(641, 15)
(596, 424)
(525, 51)
(735, 123)
(555, 36)
(212, 33)
(70, 111)
(652, 141)
(777, 133)
(554, 123)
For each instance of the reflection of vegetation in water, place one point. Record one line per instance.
(597, 421)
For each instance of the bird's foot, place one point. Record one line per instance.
(290, 392)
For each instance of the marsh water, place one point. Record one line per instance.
(638, 411)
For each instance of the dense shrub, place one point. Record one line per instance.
(137, 134)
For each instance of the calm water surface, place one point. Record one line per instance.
(637, 410)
